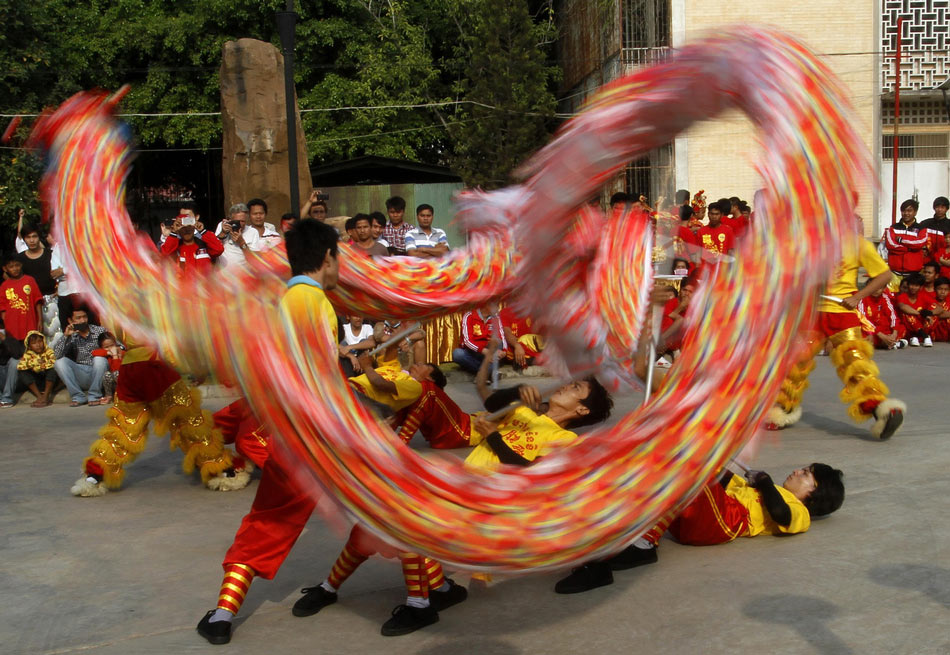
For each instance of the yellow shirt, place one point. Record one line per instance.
(305, 303)
(759, 519)
(528, 434)
(845, 282)
(408, 389)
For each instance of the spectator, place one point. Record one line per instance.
(316, 206)
(113, 352)
(942, 257)
(21, 310)
(913, 307)
(79, 370)
(880, 312)
(940, 330)
(67, 294)
(426, 241)
(682, 198)
(716, 237)
(363, 240)
(36, 260)
(287, 221)
(905, 242)
(378, 224)
(685, 241)
(620, 200)
(38, 367)
(930, 272)
(357, 339)
(350, 228)
(267, 234)
(939, 222)
(477, 328)
(233, 232)
(526, 344)
(195, 250)
(395, 232)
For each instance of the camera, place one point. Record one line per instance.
(323, 196)
(168, 222)
(235, 225)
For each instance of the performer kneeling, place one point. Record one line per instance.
(725, 509)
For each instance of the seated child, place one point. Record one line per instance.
(726, 509)
(37, 367)
(113, 352)
(930, 272)
(523, 341)
(940, 321)
(913, 307)
(888, 330)
(357, 337)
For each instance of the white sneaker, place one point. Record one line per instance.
(901, 343)
(914, 341)
(928, 342)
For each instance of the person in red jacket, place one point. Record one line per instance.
(717, 238)
(914, 312)
(477, 328)
(196, 251)
(905, 242)
(888, 330)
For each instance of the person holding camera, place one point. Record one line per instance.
(316, 206)
(233, 233)
(196, 251)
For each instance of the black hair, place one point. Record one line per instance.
(396, 202)
(424, 207)
(931, 264)
(735, 200)
(29, 228)
(718, 207)
(289, 216)
(744, 206)
(34, 335)
(941, 280)
(915, 278)
(620, 196)
(308, 243)
(680, 259)
(189, 204)
(350, 224)
(598, 401)
(256, 201)
(104, 336)
(686, 212)
(682, 195)
(361, 217)
(437, 376)
(379, 217)
(910, 203)
(829, 494)
(941, 201)
(10, 256)
(319, 203)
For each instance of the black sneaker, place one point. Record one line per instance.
(216, 633)
(406, 619)
(894, 419)
(314, 599)
(440, 600)
(584, 578)
(632, 556)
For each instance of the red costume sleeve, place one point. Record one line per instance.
(170, 246)
(212, 243)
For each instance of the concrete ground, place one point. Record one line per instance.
(134, 571)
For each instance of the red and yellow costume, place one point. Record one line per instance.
(718, 240)
(150, 390)
(442, 423)
(530, 340)
(882, 315)
(864, 393)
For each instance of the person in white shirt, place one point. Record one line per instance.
(357, 337)
(425, 240)
(267, 235)
(234, 233)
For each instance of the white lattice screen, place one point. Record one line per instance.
(925, 43)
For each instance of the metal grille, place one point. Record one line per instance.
(925, 43)
(916, 146)
(652, 175)
(916, 112)
(646, 31)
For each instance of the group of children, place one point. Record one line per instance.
(917, 315)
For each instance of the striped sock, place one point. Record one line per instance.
(348, 561)
(237, 580)
(417, 584)
(434, 574)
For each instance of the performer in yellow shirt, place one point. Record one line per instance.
(840, 323)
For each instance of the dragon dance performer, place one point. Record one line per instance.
(150, 391)
(841, 323)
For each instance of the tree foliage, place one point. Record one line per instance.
(350, 53)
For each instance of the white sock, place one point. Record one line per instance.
(445, 586)
(417, 601)
(329, 587)
(221, 615)
(643, 544)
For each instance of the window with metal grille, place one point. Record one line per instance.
(916, 111)
(652, 175)
(916, 146)
(646, 31)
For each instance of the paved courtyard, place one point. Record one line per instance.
(132, 572)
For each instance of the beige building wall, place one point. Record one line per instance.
(719, 154)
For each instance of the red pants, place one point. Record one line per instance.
(442, 423)
(277, 517)
(712, 518)
(239, 426)
(940, 331)
(144, 381)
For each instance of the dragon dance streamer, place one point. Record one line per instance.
(587, 295)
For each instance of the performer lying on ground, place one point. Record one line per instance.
(725, 509)
(147, 388)
(841, 323)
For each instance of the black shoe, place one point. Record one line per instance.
(584, 578)
(632, 556)
(314, 599)
(216, 633)
(455, 594)
(894, 419)
(406, 619)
